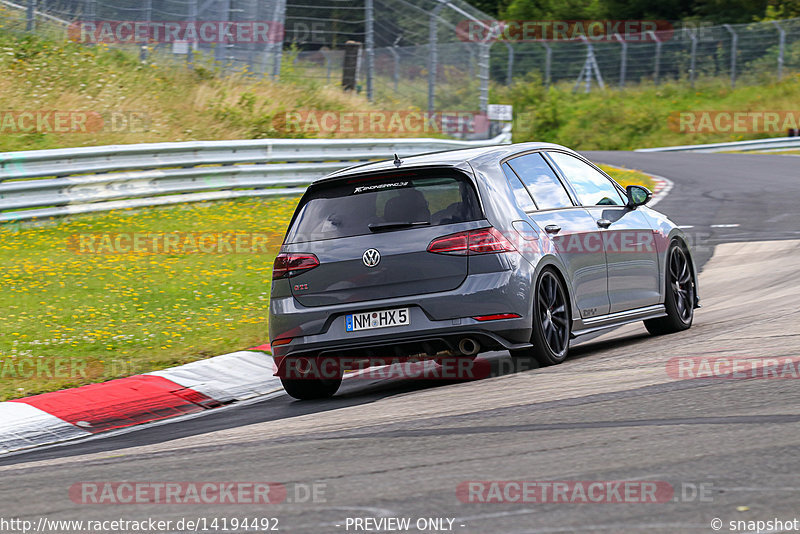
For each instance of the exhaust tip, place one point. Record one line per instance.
(468, 346)
(303, 365)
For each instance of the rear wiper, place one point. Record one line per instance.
(379, 227)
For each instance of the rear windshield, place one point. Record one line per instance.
(365, 206)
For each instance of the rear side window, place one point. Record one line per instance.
(520, 192)
(544, 186)
(365, 206)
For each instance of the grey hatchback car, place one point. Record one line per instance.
(517, 247)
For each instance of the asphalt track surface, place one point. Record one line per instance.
(613, 411)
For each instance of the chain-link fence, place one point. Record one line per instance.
(417, 51)
(412, 50)
(227, 50)
(409, 50)
(743, 53)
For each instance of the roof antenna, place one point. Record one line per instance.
(397, 161)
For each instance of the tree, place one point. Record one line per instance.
(491, 7)
(782, 9)
(730, 11)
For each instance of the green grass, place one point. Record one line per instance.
(121, 314)
(108, 315)
(789, 152)
(51, 74)
(639, 116)
(625, 177)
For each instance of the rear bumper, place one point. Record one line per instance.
(392, 348)
(438, 320)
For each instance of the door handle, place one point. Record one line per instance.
(552, 228)
(603, 223)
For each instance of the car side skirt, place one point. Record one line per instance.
(612, 320)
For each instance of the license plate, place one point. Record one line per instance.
(377, 319)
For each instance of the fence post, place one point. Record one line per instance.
(483, 75)
(548, 60)
(279, 22)
(484, 57)
(589, 69)
(351, 64)
(327, 55)
(396, 56)
(657, 67)
(623, 62)
(193, 14)
(222, 46)
(433, 37)
(369, 13)
(510, 68)
(473, 63)
(781, 48)
(693, 58)
(251, 16)
(148, 18)
(31, 22)
(734, 41)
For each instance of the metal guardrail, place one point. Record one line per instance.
(775, 143)
(51, 183)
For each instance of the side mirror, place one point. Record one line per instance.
(638, 196)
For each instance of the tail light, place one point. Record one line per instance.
(483, 241)
(288, 265)
(497, 317)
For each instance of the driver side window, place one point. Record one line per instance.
(592, 187)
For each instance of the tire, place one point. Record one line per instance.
(311, 388)
(680, 293)
(318, 380)
(551, 322)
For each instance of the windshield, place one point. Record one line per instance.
(367, 205)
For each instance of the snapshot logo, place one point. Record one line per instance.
(581, 492)
(531, 31)
(733, 367)
(202, 493)
(69, 122)
(733, 121)
(373, 122)
(173, 243)
(144, 32)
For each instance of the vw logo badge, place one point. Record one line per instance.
(371, 258)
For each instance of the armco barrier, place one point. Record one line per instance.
(772, 144)
(51, 183)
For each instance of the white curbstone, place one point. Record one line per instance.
(227, 378)
(23, 426)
